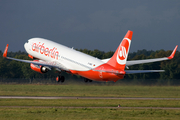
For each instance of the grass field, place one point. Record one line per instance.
(91, 90)
(36, 112)
(89, 102)
(87, 114)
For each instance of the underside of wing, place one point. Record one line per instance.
(129, 71)
(42, 63)
(142, 71)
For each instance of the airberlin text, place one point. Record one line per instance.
(40, 48)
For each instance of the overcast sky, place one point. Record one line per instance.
(91, 24)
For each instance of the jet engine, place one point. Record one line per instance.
(39, 68)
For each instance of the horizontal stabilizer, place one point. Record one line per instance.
(114, 72)
(142, 71)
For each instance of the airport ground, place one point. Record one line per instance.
(88, 102)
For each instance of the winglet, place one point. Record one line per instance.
(173, 53)
(5, 51)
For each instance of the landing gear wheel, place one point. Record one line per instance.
(87, 80)
(90, 80)
(60, 78)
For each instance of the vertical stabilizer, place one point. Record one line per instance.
(118, 60)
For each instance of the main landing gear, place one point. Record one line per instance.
(87, 80)
(60, 78)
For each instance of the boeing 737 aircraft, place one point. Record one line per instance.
(48, 54)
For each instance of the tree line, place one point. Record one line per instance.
(15, 69)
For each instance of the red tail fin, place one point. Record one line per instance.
(119, 58)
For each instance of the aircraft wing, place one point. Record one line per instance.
(38, 62)
(130, 71)
(142, 71)
(134, 62)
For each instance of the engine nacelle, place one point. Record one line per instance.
(39, 68)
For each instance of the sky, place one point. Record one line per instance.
(91, 24)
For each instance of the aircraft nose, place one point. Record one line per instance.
(27, 46)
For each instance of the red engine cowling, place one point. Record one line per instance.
(38, 68)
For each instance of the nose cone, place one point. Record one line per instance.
(27, 47)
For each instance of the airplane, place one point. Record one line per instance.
(47, 54)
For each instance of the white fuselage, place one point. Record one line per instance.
(50, 51)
